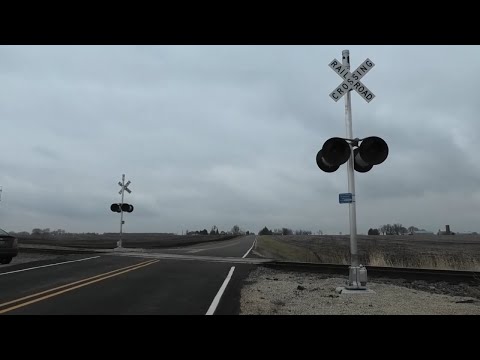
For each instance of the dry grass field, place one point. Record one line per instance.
(454, 252)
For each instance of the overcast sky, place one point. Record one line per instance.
(225, 135)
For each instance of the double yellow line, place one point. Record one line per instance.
(31, 299)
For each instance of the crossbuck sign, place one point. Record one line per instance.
(352, 80)
(124, 187)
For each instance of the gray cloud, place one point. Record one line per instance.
(219, 135)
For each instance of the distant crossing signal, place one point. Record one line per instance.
(121, 207)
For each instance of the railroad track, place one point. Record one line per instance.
(450, 276)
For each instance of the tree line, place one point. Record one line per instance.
(393, 229)
(236, 230)
(387, 229)
(47, 232)
(286, 231)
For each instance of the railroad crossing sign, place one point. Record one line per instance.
(351, 80)
(122, 207)
(124, 187)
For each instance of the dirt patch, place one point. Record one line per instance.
(315, 294)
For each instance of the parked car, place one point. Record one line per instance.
(8, 247)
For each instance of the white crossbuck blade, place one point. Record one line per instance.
(124, 187)
(352, 80)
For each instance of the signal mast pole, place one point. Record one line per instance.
(122, 184)
(350, 169)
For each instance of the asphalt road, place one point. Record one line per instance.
(126, 283)
(225, 248)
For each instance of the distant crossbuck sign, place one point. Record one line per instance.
(352, 80)
(124, 187)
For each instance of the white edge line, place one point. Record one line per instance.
(244, 256)
(43, 266)
(216, 300)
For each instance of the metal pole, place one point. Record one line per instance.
(121, 211)
(351, 170)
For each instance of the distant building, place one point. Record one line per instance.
(422, 232)
(446, 232)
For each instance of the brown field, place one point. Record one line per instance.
(109, 241)
(456, 252)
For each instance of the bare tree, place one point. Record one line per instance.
(265, 231)
(214, 230)
(398, 229)
(388, 229)
(383, 229)
(58, 232)
(236, 230)
(412, 229)
(303, 232)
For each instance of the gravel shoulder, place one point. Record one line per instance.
(274, 292)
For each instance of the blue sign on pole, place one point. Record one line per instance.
(346, 198)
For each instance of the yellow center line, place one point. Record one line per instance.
(71, 286)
